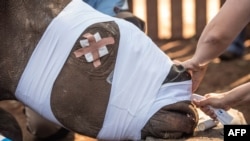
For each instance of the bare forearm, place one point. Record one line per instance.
(209, 47)
(217, 36)
(237, 96)
(222, 30)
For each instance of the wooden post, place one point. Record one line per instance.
(200, 19)
(130, 5)
(152, 19)
(176, 10)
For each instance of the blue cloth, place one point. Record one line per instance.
(237, 47)
(105, 6)
(3, 138)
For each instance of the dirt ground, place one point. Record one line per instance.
(220, 76)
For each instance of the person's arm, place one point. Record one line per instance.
(222, 30)
(238, 96)
(217, 35)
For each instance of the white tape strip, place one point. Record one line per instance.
(102, 51)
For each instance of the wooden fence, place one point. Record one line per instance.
(176, 11)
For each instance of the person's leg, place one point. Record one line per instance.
(236, 49)
(106, 6)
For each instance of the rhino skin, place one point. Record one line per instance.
(22, 25)
(23, 22)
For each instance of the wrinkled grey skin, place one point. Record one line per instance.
(22, 24)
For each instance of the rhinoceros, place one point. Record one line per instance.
(91, 73)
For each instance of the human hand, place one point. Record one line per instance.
(216, 100)
(197, 72)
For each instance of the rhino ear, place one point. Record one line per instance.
(137, 21)
(6, 95)
(128, 16)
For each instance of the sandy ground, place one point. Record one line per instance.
(221, 76)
